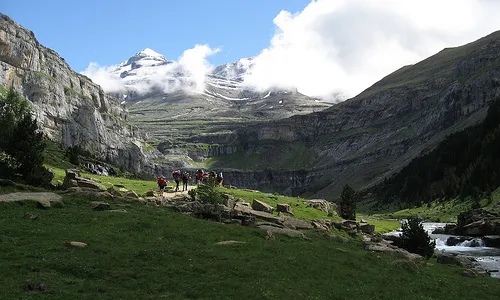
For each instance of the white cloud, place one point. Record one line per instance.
(111, 83)
(188, 73)
(344, 46)
(195, 65)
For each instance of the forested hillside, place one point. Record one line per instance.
(466, 163)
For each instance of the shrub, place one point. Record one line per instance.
(415, 239)
(208, 193)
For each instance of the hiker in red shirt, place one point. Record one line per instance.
(161, 183)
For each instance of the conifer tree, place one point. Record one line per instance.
(347, 205)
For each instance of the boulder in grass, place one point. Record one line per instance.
(43, 203)
(261, 206)
(284, 207)
(76, 244)
(96, 205)
(131, 194)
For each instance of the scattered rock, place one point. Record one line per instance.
(44, 200)
(150, 193)
(318, 225)
(43, 203)
(229, 243)
(56, 203)
(228, 201)
(89, 183)
(114, 192)
(268, 224)
(492, 241)
(34, 287)
(321, 204)
(453, 259)
(261, 206)
(284, 231)
(269, 236)
(30, 216)
(395, 251)
(232, 221)
(284, 207)
(118, 210)
(131, 194)
(96, 205)
(264, 216)
(367, 228)
(242, 206)
(469, 273)
(72, 174)
(76, 244)
(296, 223)
(438, 230)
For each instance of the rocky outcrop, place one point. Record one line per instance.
(70, 108)
(322, 204)
(73, 179)
(478, 222)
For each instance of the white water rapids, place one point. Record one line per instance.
(487, 258)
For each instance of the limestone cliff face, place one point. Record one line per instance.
(373, 135)
(70, 108)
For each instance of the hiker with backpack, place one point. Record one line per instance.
(161, 183)
(185, 178)
(199, 176)
(219, 179)
(177, 178)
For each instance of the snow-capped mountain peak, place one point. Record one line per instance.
(151, 53)
(235, 70)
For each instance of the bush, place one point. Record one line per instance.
(21, 143)
(208, 193)
(415, 239)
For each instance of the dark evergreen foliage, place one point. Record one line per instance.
(415, 239)
(73, 154)
(347, 204)
(466, 163)
(21, 143)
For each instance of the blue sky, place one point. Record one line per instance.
(109, 32)
(333, 49)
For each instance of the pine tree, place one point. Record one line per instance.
(21, 143)
(415, 239)
(347, 205)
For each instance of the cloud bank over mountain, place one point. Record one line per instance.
(344, 46)
(150, 70)
(333, 49)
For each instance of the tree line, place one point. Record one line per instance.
(466, 163)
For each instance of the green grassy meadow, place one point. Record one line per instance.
(154, 253)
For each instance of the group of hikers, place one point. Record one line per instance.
(185, 177)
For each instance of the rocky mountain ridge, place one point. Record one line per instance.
(366, 138)
(69, 107)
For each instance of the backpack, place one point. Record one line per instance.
(176, 172)
(219, 176)
(185, 175)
